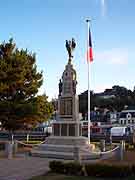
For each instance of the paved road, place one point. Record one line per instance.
(22, 168)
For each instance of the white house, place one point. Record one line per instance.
(127, 117)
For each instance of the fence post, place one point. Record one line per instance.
(122, 148)
(15, 147)
(102, 145)
(27, 140)
(133, 138)
(12, 138)
(76, 154)
(9, 149)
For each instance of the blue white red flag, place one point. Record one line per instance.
(89, 50)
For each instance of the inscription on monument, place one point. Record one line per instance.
(56, 129)
(67, 87)
(71, 129)
(66, 106)
(63, 129)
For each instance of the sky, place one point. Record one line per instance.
(42, 26)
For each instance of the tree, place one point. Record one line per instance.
(116, 99)
(19, 84)
(44, 108)
(83, 102)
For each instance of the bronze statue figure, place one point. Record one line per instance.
(70, 46)
(60, 87)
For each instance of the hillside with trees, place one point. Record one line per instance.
(114, 99)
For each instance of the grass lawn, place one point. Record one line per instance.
(64, 177)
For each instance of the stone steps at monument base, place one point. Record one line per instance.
(58, 148)
(53, 154)
(65, 155)
(81, 141)
(65, 148)
(64, 152)
(62, 148)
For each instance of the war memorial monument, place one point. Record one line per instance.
(66, 141)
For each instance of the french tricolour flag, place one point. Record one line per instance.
(89, 50)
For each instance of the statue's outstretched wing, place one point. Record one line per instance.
(67, 45)
(73, 43)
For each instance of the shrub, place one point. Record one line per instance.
(73, 168)
(98, 170)
(106, 170)
(133, 170)
(93, 169)
(2, 146)
(70, 168)
(56, 166)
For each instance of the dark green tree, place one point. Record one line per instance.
(19, 83)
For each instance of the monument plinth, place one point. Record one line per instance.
(69, 124)
(67, 131)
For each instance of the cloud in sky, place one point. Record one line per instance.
(103, 7)
(113, 56)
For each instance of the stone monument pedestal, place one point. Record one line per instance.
(64, 148)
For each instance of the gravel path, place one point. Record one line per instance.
(22, 168)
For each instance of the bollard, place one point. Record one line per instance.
(102, 145)
(124, 145)
(76, 154)
(110, 140)
(27, 138)
(122, 149)
(133, 138)
(9, 150)
(12, 138)
(15, 147)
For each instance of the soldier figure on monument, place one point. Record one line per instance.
(60, 87)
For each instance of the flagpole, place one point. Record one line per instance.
(88, 61)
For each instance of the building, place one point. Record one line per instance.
(127, 117)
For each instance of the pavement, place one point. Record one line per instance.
(22, 167)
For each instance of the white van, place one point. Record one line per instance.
(48, 129)
(120, 131)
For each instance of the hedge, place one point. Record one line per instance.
(71, 168)
(56, 166)
(106, 170)
(96, 170)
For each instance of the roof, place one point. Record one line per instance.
(125, 113)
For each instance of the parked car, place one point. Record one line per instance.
(120, 131)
